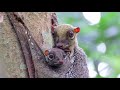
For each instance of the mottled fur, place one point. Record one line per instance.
(55, 57)
(77, 56)
(78, 68)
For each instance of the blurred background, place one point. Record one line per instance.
(100, 39)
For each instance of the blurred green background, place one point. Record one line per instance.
(100, 41)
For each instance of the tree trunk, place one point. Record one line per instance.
(12, 62)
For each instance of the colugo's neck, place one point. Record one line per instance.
(76, 42)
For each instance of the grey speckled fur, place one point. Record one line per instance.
(79, 67)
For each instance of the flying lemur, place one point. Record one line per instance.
(65, 38)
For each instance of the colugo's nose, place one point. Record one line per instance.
(59, 45)
(61, 61)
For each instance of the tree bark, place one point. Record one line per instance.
(11, 55)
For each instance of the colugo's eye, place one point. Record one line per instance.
(51, 56)
(71, 34)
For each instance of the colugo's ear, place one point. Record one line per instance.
(77, 30)
(46, 52)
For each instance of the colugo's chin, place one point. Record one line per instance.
(66, 49)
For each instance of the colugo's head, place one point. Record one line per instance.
(65, 36)
(55, 57)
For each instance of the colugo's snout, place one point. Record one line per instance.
(62, 44)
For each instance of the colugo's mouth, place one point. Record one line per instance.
(66, 50)
(58, 63)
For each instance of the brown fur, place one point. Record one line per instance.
(62, 38)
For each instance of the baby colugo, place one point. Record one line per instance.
(55, 57)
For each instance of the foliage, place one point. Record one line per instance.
(107, 32)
